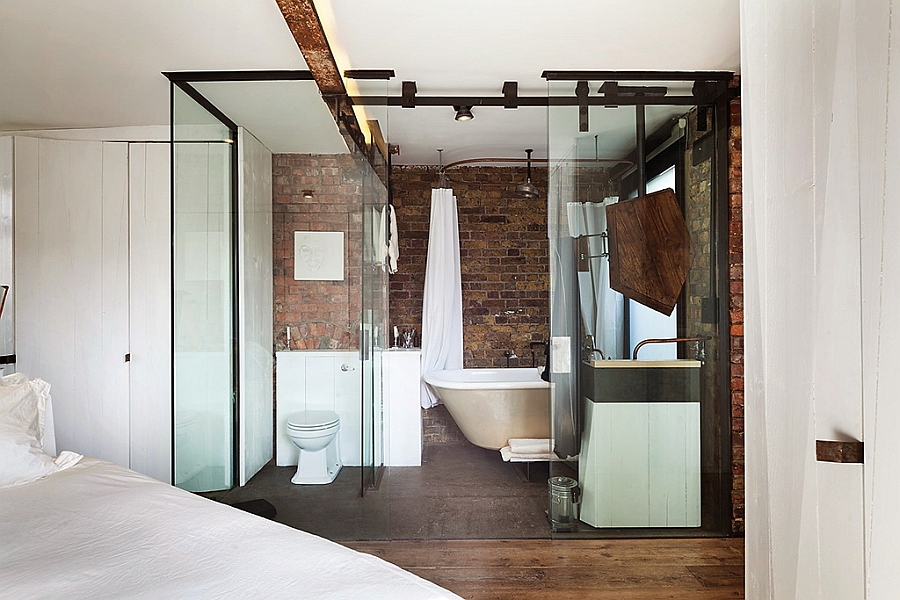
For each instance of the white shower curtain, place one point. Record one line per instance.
(442, 340)
(602, 308)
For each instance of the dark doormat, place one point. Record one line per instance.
(259, 507)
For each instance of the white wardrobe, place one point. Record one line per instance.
(85, 234)
(92, 292)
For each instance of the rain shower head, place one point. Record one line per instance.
(528, 189)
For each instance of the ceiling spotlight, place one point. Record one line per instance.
(528, 189)
(464, 113)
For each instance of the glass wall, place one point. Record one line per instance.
(638, 391)
(204, 302)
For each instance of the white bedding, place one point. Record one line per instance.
(98, 530)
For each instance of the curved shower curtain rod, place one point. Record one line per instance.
(467, 161)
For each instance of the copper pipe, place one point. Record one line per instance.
(467, 161)
(701, 338)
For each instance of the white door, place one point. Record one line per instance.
(150, 325)
(71, 282)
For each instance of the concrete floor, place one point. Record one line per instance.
(461, 491)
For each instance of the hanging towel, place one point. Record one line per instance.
(442, 340)
(379, 237)
(393, 249)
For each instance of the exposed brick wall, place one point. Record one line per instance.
(321, 314)
(736, 308)
(438, 427)
(503, 254)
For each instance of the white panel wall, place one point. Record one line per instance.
(71, 209)
(821, 108)
(149, 289)
(256, 306)
(403, 407)
(318, 380)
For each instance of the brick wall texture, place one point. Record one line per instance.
(503, 259)
(736, 309)
(321, 314)
(504, 263)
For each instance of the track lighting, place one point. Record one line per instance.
(464, 113)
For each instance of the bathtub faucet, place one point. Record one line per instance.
(533, 355)
(509, 354)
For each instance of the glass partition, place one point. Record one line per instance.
(204, 303)
(374, 267)
(638, 401)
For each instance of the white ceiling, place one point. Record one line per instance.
(470, 47)
(97, 63)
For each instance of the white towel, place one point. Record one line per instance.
(393, 252)
(510, 456)
(529, 446)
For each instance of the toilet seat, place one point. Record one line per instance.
(312, 420)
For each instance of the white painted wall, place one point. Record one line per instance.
(256, 306)
(821, 112)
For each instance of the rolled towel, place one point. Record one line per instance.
(530, 446)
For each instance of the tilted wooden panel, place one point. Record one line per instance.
(649, 249)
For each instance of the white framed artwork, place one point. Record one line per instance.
(319, 255)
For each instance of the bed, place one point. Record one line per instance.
(88, 528)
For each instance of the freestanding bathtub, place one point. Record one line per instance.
(492, 406)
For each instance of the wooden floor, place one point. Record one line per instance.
(653, 569)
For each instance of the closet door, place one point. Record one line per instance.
(150, 293)
(71, 281)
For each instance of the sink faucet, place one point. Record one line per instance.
(699, 345)
(588, 348)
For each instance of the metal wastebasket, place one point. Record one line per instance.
(564, 498)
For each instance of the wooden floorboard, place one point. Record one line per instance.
(653, 569)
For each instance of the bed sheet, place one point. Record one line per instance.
(98, 530)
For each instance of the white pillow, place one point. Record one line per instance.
(22, 404)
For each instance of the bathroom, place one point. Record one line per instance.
(506, 293)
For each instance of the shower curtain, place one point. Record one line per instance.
(602, 309)
(442, 346)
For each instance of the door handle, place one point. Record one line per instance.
(839, 452)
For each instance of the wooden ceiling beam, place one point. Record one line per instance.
(303, 21)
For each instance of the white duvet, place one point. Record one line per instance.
(97, 530)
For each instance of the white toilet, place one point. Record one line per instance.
(315, 433)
